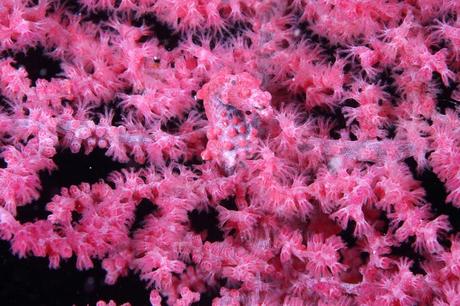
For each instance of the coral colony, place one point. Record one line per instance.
(292, 152)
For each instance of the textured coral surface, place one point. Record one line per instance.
(223, 152)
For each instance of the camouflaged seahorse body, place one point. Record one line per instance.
(236, 108)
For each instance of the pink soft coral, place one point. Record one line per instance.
(282, 146)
